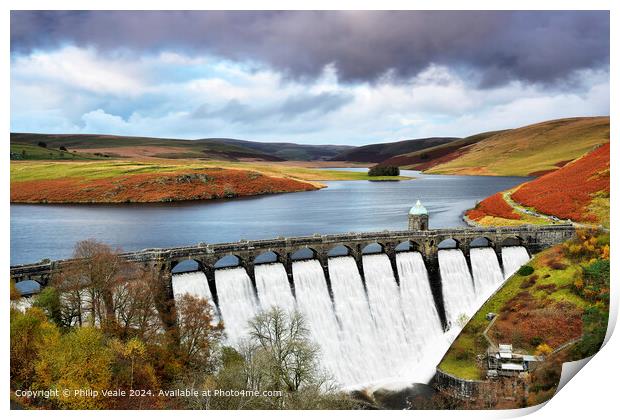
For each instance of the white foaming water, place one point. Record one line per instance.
(363, 359)
(486, 271)
(194, 283)
(457, 286)
(237, 302)
(273, 287)
(314, 303)
(386, 310)
(421, 317)
(513, 257)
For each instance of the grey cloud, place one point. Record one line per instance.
(322, 103)
(291, 108)
(534, 46)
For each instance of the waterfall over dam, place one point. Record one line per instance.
(370, 325)
(513, 257)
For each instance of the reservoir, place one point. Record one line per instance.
(51, 231)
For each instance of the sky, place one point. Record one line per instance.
(309, 77)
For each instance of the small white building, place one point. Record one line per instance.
(502, 361)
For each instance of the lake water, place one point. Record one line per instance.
(51, 231)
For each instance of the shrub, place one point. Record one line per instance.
(529, 282)
(557, 265)
(543, 349)
(525, 270)
(42, 144)
(536, 341)
(384, 170)
(63, 148)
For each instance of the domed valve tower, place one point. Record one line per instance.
(418, 217)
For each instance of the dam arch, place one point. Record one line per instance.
(449, 243)
(228, 261)
(373, 248)
(303, 253)
(340, 251)
(512, 241)
(480, 242)
(268, 257)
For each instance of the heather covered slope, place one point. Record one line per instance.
(375, 153)
(531, 150)
(578, 191)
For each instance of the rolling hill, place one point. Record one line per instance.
(578, 191)
(531, 150)
(427, 158)
(375, 153)
(92, 146)
(290, 151)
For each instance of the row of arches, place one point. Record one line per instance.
(306, 253)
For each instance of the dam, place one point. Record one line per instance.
(375, 303)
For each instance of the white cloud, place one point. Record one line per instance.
(78, 90)
(81, 68)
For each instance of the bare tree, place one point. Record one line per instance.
(283, 341)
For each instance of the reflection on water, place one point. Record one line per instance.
(50, 231)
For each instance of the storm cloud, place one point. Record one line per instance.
(490, 48)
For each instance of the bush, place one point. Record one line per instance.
(536, 341)
(526, 270)
(63, 148)
(384, 170)
(42, 144)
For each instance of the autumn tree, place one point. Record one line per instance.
(78, 360)
(100, 288)
(199, 333)
(30, 333)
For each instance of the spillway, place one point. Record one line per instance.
(358, 335)
(386, 310)
(314, 302)
(382, 332)
(421, 317)
(457, 286)
(194, 283)
(513, 257)
(273, 287)
(486, 271)
(237, 301)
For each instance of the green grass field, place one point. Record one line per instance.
(40, 170)
(23, 151)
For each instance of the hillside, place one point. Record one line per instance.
(290, 151)
(531, 150)
(375, 153)
(578, 191)
(427, 158)
(87, 146)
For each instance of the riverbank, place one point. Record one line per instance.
(155, 187)
(81, 182)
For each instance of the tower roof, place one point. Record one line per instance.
(418, 208)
